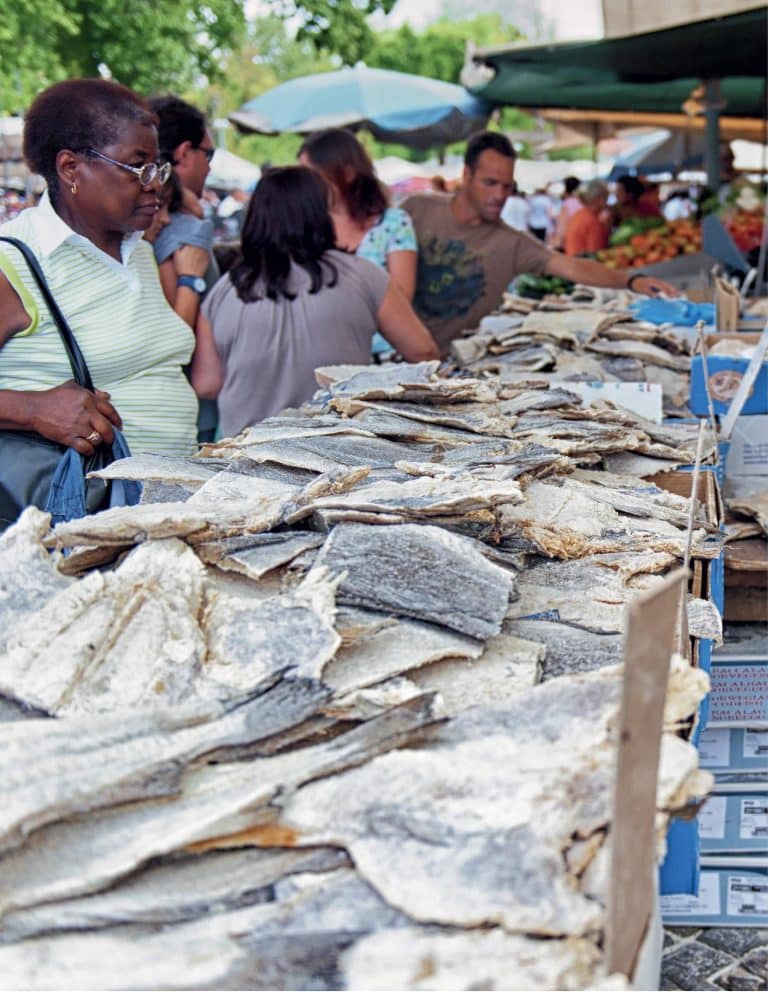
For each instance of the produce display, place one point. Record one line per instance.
(742, 214)
(635, 243)
(745, 227)
(537, 287)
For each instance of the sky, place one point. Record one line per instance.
(572, 18)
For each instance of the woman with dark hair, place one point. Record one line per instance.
(293, 302)
(95, 143)
(363, 219)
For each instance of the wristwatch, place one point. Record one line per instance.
(192, 282)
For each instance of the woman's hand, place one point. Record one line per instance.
(71, 415)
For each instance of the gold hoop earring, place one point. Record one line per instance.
(73, 188)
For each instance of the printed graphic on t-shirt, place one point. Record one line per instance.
(450, 279)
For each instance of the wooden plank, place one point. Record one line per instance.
(746, 128)
(750, 555)
(649, 640)
(746, 605)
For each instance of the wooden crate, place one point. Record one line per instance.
(746, 580)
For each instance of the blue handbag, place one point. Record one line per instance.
(35, 471)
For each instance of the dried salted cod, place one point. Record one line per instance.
(424, 497)
(686, 686)
(363, 704)
(749, 499)
(569, 327)
(52, 769)
(335, 451)
(250, 641)
(480, 418)
(539, 399)
(490, 959)
(275, 429)
(640, 466)
(116, 639)
(254, 555)
(410, 382)
(126, 525)
(508, 666)
(383, 424)
(217, 806)
(326, 375)
(242, 949)
(396, 646)
(567, 519)
(28, 574)
(569, 649)
(675, 388)
(648, 353)
(468, 835)
(585, 592)
(175, 890)
(581, 436)
(189, 472)
(447, 579)
(704, 620)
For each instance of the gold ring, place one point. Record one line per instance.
(94, 437)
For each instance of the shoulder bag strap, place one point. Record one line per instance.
(80, 370)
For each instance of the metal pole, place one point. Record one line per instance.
(713, 104)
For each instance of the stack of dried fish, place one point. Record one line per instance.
(336, 705)
(581, 339)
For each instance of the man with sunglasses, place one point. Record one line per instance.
(184, 247)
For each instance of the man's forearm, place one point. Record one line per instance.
(587, 271)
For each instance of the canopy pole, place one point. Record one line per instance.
(713, 105)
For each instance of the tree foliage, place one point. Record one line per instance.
(334, 26)
(438, 50)
(142, 43)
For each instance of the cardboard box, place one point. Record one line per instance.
(642, 398)
(733, 891)
(748, 451)
(734, 822)
(724, 375)
(733, 749)
(739, 694)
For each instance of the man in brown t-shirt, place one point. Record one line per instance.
(468, 255)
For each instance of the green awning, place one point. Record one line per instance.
(653, 72)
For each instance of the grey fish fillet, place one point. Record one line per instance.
(175, 890)
(569, 650)
(256, 554)
(52, 769)
(216, 806)
(222, 950)
(419, 571)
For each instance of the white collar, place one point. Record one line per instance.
(51, 232)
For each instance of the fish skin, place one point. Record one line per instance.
(249, 641)
(174, 890)
(288, 939)
(460, 589)
(52, 769)
(217, 806)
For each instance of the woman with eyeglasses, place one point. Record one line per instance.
(95, 143)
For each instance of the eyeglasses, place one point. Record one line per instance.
(208, 152)
(146, 174)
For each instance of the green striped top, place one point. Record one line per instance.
(134, 343)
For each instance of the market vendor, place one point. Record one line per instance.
(468, 256)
